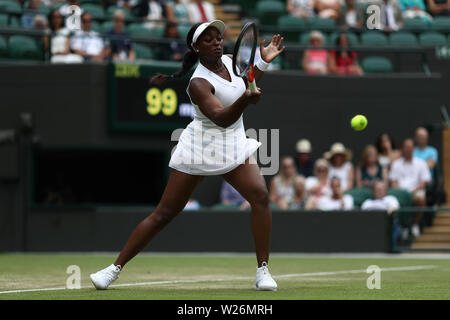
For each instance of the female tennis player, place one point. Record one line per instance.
(219, 97)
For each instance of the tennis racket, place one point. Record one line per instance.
(244, 54)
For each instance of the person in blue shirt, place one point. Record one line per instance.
(423, 151)
(121, 47)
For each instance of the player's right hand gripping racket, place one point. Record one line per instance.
(244, 54)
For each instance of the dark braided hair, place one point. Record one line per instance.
(190, 58)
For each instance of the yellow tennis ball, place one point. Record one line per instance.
(359, 122)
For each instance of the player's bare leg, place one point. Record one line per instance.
(178, 190)
(248, 180)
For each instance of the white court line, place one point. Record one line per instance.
(292, 275)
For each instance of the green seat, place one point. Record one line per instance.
(404, 197)
(373, 39)
(441, 24)
(432, 38)
(43, 9)
(403, 39)
(3, 20)
(359, 195)
(110, 11)
(10, 7)
(269, 12)
(291, 22)
(136, 29)
(291, 27)
(106, 26)
(415, 25)
(95, 10)
(221, 206)
(183, 30)
(14, 22)
(376, 65)
(3, 47)
(143, 52)
(57, 5)
(352, 38)
(23, 47)
(323, 24)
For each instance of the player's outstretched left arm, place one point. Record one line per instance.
(269, 53)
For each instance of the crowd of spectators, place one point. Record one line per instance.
(350, 13)
(303, 183)
(66, 45)
(340, 61)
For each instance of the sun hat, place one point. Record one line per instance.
(338, 148)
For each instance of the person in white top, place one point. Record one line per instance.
(282, 185)
(379, 200)
(337, 201)
(317, 185)
(411, 174)
(219, 98)
(200, 11)
(340, 165)
(88, 43)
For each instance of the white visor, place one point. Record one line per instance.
(219, 25)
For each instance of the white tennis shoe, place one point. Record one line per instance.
(264, 280)
(103, 278)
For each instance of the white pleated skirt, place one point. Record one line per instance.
(208, 150)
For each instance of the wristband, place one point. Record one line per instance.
(262, 65)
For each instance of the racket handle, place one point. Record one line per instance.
(252, 86)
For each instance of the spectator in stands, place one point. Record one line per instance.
(380, 200)
(338, 200)
(369, 170)
(282, 185)
(342, 60)
(391, 16)
(351, 16)
(303, 161)
(66, 10)
(411, 174)
(58, 42)
(88, 43)
(174, 50)
(229, 195)
(120, 45)
(386, 150)
(340, 165)
(414, 9)
(200, 11)
(315, 60)
(299, 198)
(423, 151)
(300, 8)
(151, 11)
(177, 11)
(30, 13)
(328, 8)
(439, 7)
(318, 185)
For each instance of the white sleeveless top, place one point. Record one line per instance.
(341, 173)
(205, 148)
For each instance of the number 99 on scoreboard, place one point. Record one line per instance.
(136, 105)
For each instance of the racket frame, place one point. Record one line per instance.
(249, 71)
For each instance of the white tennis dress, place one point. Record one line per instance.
(205, 148)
